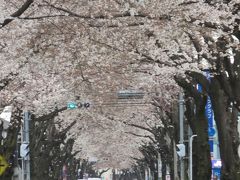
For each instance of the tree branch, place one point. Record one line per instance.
(188, 3)
(42, 17)
(51, 114)
(199, 78)
(144, 136)
(18, 13)
(4, 82)
(138, 126)
(195, 42)
(117, 15)
(212, 25)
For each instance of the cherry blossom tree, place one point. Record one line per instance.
(218, 45)
(52, 52)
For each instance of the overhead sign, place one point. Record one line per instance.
(130, 94)
(3, 165)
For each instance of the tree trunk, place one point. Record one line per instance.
(201, 149)
(195, 113)
(226, 121)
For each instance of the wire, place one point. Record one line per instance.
(110, 103)
(115, 92)
(113, 104)
(122, 105)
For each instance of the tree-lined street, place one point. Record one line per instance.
(116, 89)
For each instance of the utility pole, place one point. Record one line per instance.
(159, 167)
(24, 148)
(181, 131)
(175, 158)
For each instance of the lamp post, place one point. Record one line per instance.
(190, 156)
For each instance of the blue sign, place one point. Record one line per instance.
(211, 131)
(216, 168)
(216, 163)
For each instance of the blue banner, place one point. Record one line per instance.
(216, 164)
(209, 114)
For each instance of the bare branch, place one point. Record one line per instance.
(209, 24)
(103, 171)
(135, 24)
(41, 17)
(51, 114)
(105, 44)
(138, 126)
(117, 15)
(144, 136)
(18, 13)
(188, 3)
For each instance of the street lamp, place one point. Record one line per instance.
(190, 156)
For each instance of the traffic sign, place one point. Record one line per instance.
(3, 165)
(24, 150)
(181, 151)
